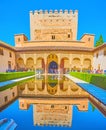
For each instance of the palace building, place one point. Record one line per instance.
(53, 46)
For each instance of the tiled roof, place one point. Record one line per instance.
(52, 48)
(99, 47)
(5, 45)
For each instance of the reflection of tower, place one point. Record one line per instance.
(56, 111)
(52, 114)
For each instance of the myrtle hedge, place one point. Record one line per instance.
(96, 79)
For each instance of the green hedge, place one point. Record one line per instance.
(96, 79)
(14, 75)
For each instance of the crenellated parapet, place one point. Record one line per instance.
(64, 12)
(53, 24)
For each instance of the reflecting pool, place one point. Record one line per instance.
(51, 102)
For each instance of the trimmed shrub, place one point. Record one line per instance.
(14, 75)
(96, 79)
(99, 81)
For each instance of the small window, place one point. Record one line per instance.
(10, 54)
(83, 106)
(6, 98)
(13, 94)
(9, 64)
(65, 107)
(1, 51)
(89, 39)
(104, 52)
(22, 105)
(53, 36)
(96, 55)
(68, 35)
(52, 106)
(18, 39)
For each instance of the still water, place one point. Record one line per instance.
(51, 102)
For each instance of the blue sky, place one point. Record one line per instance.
(14, 16)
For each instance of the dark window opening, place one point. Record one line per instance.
(68, 35)
(1, 51)
(65, 107)
(104, 52)
(18, 39)
(10, 54)
(6, 98)
(22, 105)
(13, 94)
(96, 55)
(83, 106)
(9, 64)
(89, 39)
(53, 36)
(52, 106)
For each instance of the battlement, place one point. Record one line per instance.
(64, 12)
(53, 24)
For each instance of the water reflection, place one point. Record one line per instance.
(52, 86)
(53, 111)
(52, 98)
(8, 96)
(52, 114)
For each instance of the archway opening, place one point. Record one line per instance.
(40, 66)
(52, 64)
(52, 67)
(86, 65)
(30, 64)
(64, 65)
(76, 64)
(20, 64)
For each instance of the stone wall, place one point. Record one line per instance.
(60, 24)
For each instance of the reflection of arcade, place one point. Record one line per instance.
(52, 63)
(51, 86)
(55, 87)
(53, 111)
(53, 67)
